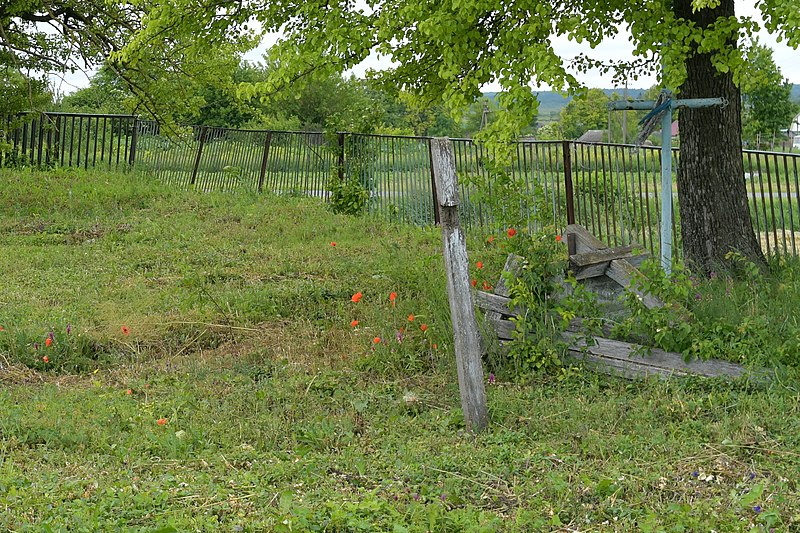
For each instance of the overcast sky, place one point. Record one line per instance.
(618, 48)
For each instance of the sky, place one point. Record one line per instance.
(618, 48)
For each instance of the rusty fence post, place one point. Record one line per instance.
(203, 131)
(568, 190)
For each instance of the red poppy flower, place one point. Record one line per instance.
(392, 297)
(129, 392)
(356, 297)
(490, 240)
(423, 327)
(1, 328)
(161, 421)
(376, 340)
(46, 359)
(333, 243)
(48, 342)
(126, 330)
(486, 286)
(411, 318)
(558, 238)
(435, 346)
(473, 282)
(511, 232)
(354, 323)
(479, 265)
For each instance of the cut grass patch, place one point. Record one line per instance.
(278, 415)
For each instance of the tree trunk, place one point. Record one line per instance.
(714, 208)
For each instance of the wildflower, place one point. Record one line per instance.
(757, 509)
(698, 297)
(473, 282)
(392, 297)
(353, 323)
(129, 392)
(695, 473)
(558, 238)
(511, 232)
(492, 379)
(490, 240)
(435, 346)
(161, 421)
(443, 497)
(126, 330)
(46, 359)
(356, 297)
(752, 476)
(69, 329)
(416, 497)
(486, 286)
(333, 243)
(51, 336)
(423, 327)
(35, 345)
(399, 336)
(376, 340)
(1, 328)
(479, 265)
(411, 318)
(48, 342)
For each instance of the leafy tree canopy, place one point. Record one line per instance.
(444, 52)
(766, 94)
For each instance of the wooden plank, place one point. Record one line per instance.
(584, 241)
(494, 302)
(503, 328)
(467, 340)
(622, 272)
(601, 256)
(500, 289)
(626, 369)
(611, 350)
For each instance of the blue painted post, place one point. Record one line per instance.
(666, 190)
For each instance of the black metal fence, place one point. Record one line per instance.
(68, 139)
(614, 190)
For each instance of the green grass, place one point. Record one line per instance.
(281, 417)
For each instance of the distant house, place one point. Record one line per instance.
(593, 136)
(794, 131)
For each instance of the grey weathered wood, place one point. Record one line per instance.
(467, 340)
(584, 241)
(604, 255)
(494, 302)
(653, 358)
(444, 172)
(502, 327)
(599, 269)
(500, 289)
(622, 272)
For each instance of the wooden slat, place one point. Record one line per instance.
(601, 256)
(622, 272)
(611, 350)
(584, 241)
(503, 328)
(500, 289)
(494, 302)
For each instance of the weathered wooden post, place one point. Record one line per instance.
(467, 339)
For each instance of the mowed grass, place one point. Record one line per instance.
(277, 415)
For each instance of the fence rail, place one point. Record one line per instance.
(612, 189)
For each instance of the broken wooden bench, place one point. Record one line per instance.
(590, 259)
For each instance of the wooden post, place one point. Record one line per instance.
(467, 340)
(134, 140)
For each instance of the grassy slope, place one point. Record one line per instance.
(280, 416)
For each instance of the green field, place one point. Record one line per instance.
(204, 375)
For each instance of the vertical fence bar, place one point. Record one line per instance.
(264, 159)
(568, 190)
(203, 133)
(134, 142)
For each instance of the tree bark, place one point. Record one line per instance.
(714, 208)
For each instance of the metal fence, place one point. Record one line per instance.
(614, 190)
(68, 139)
